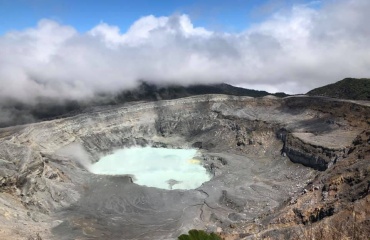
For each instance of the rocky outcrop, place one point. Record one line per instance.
(334, 205)
(310, 155)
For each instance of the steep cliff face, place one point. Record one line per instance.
(243, 142)
(299, 149)
(328, 136)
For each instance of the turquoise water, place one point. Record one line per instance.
(155, 167)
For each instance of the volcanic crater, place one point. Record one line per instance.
(259, 152)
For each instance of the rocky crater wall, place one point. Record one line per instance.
(37, 169)
(298, 127)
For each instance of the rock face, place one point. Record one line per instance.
(45, 183)
(334, 205)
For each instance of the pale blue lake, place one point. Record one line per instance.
(155, 167)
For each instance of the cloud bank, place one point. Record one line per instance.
(292, 51)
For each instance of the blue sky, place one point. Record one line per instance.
(218, 15)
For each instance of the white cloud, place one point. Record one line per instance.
(292, 51)
(145, 28)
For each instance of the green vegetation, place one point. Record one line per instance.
(348, 88)
(199, 235)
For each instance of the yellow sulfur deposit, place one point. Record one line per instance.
(194, 161)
